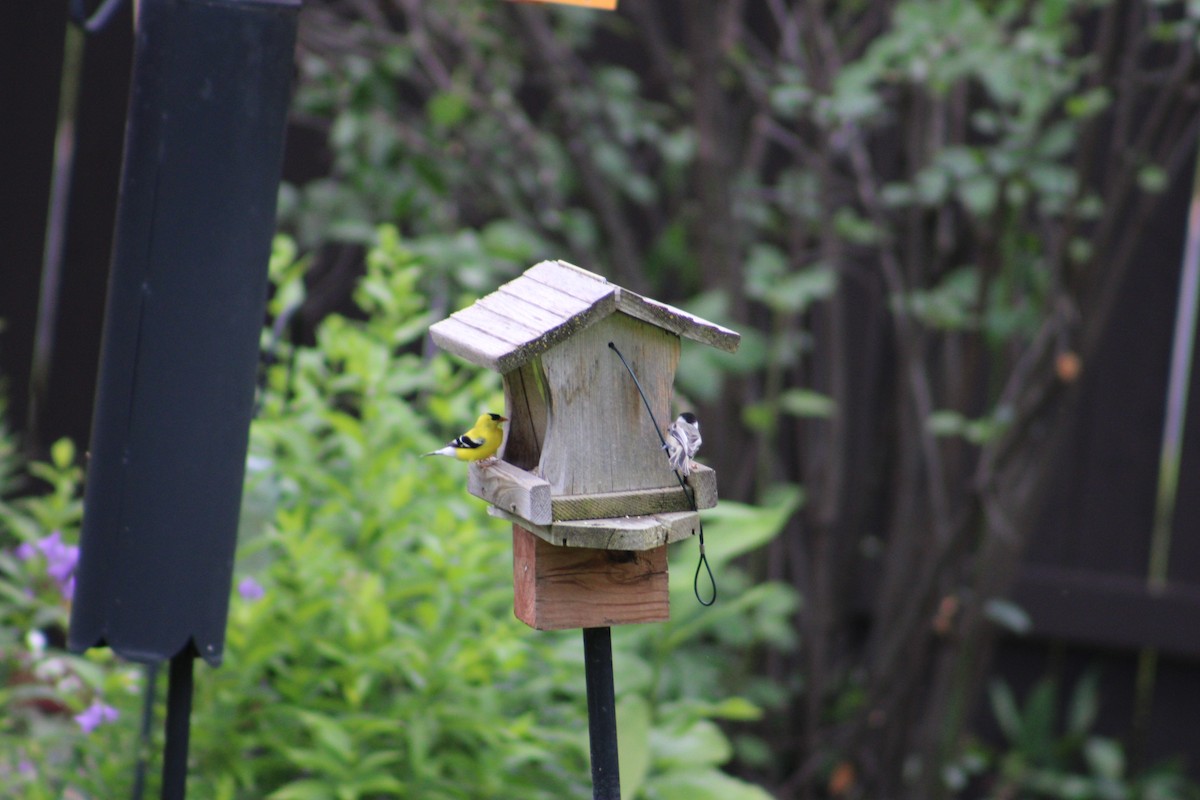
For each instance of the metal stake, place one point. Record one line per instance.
(179, 713)
(149, 692)
(602, 713)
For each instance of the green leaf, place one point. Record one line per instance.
(855, 228)
(447, 109)
(1153, 179)
(753, 750)
(1105, 757)
(1037, 721)
(946, 423)
(375, 784)
(1062, 786)
(306, 789)
(799, 290)
(954, 777)
(702, 369)
(679, 147)
(1084, 707)
(1004, 708)
(770, 280)
(736, 708)
(510, 240)
(1007, 615)
(896, 195)
(709, 784)
(854, 98)
(758, 417)
(1089, 103)
(979, 194)
(740, 528)
(1058, 140)
(330, 733)
(62, 453)
(700, 744)
(789, 100)
(948, 306)
(633, 742)
(976, 431)
(932, 186)
(807, 403)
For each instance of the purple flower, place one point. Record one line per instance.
(96, 715)
(26, 768)
(61, 560)
(250, 589)
(51, 542)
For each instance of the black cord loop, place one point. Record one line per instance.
(690, 495)
(703, 562)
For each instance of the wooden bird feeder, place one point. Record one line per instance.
(582, 475)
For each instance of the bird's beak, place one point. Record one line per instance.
(504, 419)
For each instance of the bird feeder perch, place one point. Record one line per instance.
(582, 477)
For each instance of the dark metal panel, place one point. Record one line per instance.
(185, 307)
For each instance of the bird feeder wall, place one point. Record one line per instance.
(602, 439)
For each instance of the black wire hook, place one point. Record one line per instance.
(691, 496)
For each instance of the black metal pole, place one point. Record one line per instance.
(602, 713)
(179, 716)
(149, 693)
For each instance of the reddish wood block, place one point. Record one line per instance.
(555, 588)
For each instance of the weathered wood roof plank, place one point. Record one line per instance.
(470, 343)
(678, 321)
(549, 303)
(547, 297)
(570, 279)
(536, 315)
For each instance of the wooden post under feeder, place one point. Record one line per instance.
(582, 476)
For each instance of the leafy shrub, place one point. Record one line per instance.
(383, 658)
(371, 649)
(1051, 752)
(56, 709)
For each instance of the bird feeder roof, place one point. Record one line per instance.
(549, 303)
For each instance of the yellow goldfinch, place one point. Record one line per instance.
(481, 442)
(683, 440)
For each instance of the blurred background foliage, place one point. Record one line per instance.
(372, 650)
(918, 213)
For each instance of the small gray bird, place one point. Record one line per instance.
(683, 440)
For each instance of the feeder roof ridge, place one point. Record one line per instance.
(550, 302)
